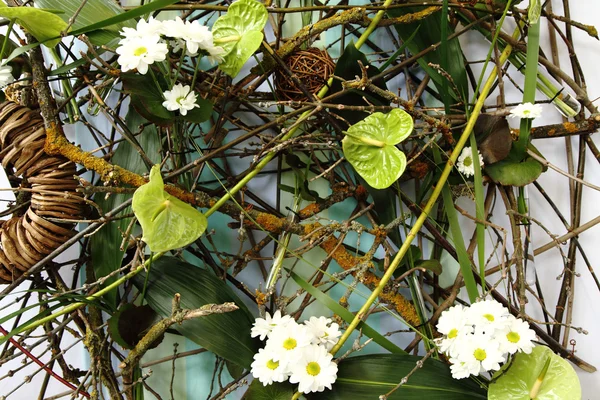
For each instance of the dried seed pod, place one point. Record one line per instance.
(26, 239)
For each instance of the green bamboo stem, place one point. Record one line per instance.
(75, 306)
(263, 163)
(430, 203)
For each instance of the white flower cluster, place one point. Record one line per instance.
(6, 77)
(465, 164)
(298, 352)
(149, 42)
(478, 338)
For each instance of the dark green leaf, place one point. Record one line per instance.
(130, 323)
(434, 266)
(199, 114)
(227, 335)
(429, 34)
(235, 371)
(276, 391)
(105, 244)
(515, 173)
(348, 68)
(345, 314)
(367, 377)
(146, 98)
(92, 12)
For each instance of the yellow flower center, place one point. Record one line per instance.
(179, 100)
(313, 368)
(479, 354)
(468, 161)
(272, 364)
(513, 337)
(489, 317)
(453, 333)
(290, 344)
(140, 51)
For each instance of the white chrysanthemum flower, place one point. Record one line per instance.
(180, 98)
(175, 28)
(143, 29)
(314, 371)
(459, 369)
(198, 37)
(481, 353)
(287, 342)
(323, 330)
(526, 110)
(140, 53)
(266, 369)
(465, 163)
(6, 77)
(488, 316)
(516, 336)
(263, 327)
(454, 324)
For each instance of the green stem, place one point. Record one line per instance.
(6, 38)
(263, 163)
(75, 306)
(429, 206)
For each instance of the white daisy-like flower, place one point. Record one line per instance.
(266, 369)
(143, 29)
(527, 111)
(454, 324)
(488, 316)
(324, 331)
(287, 342)
(175, 28)
(6, 77)
(314, 371)
(465, 163)
(180, 98)
(459, 369)
(516, 336)
(481, 353)
(198, 37)
(194, 37)
(140, 53)
(263, 327)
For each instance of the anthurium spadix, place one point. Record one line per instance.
(370, 147)
(167, 222)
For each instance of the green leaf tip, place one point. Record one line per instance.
(167, 222)
(239, 32)
(370, 147)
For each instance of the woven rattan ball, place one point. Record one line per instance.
(312, 67)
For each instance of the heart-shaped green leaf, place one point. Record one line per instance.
(515, 173)
(167, 222)
(43, 25)
(370, 146)
(560, 381)
(239, 32)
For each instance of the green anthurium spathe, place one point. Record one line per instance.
(167, 222)
(370, 147)
(518, 382)
(239, 32)
(41, 24)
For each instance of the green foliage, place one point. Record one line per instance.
(346, 315)
(370, 146)
(429, 34)
(146, 98)
(348, 68)
(92, 12)
(42, 24)
(276, 391)
(227, 335)
(515, 383)
(130, 323)
(105, 244)
(239, 32)
(367, 377)
(513, 172)
(167, 222)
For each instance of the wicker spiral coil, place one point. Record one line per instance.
(28, 237)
